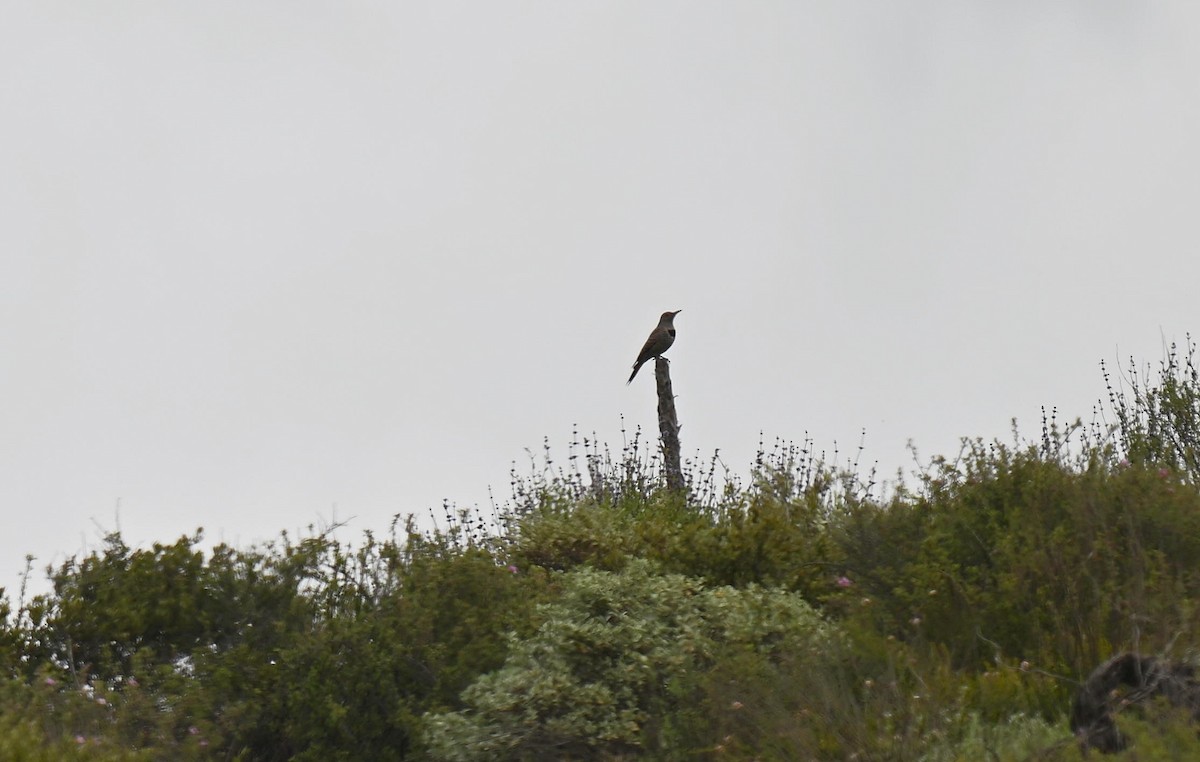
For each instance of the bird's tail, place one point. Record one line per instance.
(636, 367)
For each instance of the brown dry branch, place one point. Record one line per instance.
(1092, 709)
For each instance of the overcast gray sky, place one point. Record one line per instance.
(261, 259)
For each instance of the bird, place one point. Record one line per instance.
(660, 340)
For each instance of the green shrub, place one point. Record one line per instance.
(1157, 423)
(608, 667)
(1018, 737)
(1007, 552)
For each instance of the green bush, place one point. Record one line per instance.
(603, 674)
(1018, 737)
(1157, 423)
(1009, 552)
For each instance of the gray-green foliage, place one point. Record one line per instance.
(1018, 737)
(606, 669)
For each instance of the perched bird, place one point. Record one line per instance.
(661, 339)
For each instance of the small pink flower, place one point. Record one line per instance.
(513, 569)
(51, 682)
(133, 682)
(1124, 463)
(1163, 473)
(193, 730)
(102, 701)
(844, 582)
(80, 740)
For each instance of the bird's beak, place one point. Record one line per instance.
(676, 312)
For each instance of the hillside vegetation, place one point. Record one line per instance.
(802, 612)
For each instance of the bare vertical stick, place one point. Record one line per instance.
(668, 425)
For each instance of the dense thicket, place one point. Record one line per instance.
(797, 615)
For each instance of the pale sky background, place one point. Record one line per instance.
(261, 259)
